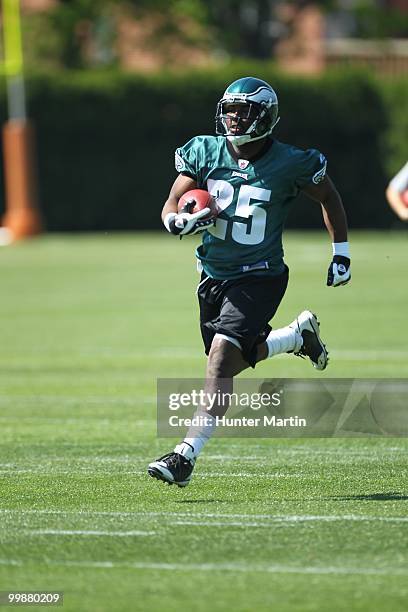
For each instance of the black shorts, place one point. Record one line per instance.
(240, 308)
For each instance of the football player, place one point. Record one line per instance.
(254, 179)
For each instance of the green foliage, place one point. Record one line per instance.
(106, 140)
(396, 137)
(64, 35)
(380, 22)
(60, 36)
(43, 44)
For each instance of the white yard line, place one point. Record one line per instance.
(235, 444)
(181, 353)
(369, 354)
(311, 452)
(245, 475)
(72, 399)
(201, 475)
(244, 524)
(272, 450)
(297, 518)
(74, 472)
(77, 421)
(10, 562)
(302, 518)
(81, 532)
(361, 354)
(217, 567)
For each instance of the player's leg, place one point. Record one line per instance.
(242, 340)
(234, 319)
(236, 336)
(226, 359)
(301, 337)
(234, 340)
(177, 466)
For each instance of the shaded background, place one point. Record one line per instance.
(114, 87)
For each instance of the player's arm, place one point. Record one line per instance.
(396, 203)
(183, 223)
(396, 192)
(181, 185)
(332, 206)
(336, 222)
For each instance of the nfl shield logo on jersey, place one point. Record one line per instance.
(243, 163)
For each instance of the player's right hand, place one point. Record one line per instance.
(185, 223)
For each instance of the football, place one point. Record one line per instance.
(196, 199)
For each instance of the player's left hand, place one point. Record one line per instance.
(339, 271)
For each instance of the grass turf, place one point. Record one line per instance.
(88, 324)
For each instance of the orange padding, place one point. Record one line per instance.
(22, 215)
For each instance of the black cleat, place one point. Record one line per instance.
(307, 325)
(172, 468)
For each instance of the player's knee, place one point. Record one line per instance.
(221, 357)
(218, 359)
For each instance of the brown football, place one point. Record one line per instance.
(196, 199)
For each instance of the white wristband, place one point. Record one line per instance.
(341, 248)
(167, 220)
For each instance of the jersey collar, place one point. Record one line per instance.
(267, 145)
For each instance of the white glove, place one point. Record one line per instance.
(188, 223)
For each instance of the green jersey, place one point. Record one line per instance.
(254, 199)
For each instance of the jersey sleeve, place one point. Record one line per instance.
(186, 160)
(311, 168)
(400, 180)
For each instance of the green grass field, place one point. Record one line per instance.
(87, 325)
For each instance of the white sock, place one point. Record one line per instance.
(283, 340)
(197, 436)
